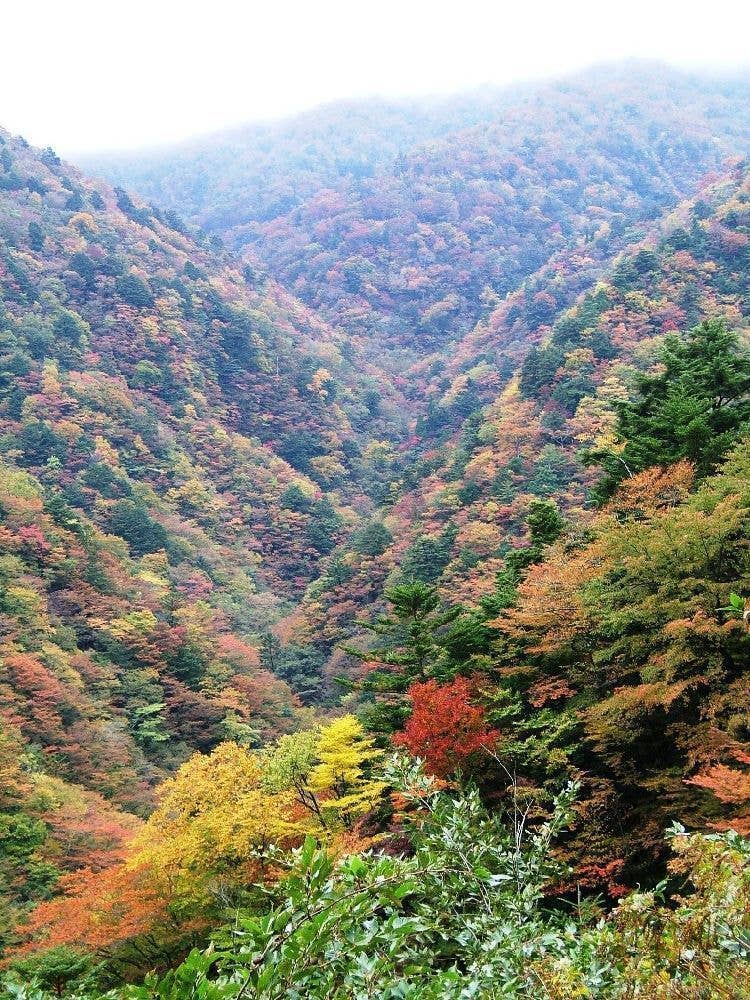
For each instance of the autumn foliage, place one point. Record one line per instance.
(446, 728)
(456, 426)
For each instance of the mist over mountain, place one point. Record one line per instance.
(399, 221)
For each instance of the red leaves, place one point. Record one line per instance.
(606, 875)
(33, 542)
(445, 728)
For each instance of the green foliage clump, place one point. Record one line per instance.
(133, 290)
(469, 910)
(133, 522)
(695, 408)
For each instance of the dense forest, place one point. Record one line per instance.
(375, 553)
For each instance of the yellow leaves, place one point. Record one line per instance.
(320, 383)
(149, 327)
(378, 454)
(140, 446)
(207, 781)
(15, 784)
(197, 619)
(106, 392)
(68, 429)
(154, 569)
(23, 603)
(84, 222)
(580, 358)
(105, 452)
(440, 310)
(58, 662)
(51, 383)
(343, 752)
(637, 301)
(135, 623)
(220, 815)
(17, 484)
(445, 500)
(195, 495)
(327, 468)
(215, 820)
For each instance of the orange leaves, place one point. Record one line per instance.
(654, 490)
(446, 728)
(547, 691)
(88, 832)
(728, 784)
(595, 876)
(731, 786)
(551, 609)
(100, 909)
(47, 697)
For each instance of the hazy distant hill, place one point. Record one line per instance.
(405, 221)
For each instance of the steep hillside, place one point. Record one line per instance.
(215, 390)
(409, 231)
(618, 653)
(180, 444)
(485, 488)
(511, 411)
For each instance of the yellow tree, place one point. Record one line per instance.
(213, 831)
(340, 779)
(287, 765)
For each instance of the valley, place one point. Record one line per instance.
(392, 432)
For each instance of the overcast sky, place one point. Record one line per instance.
(87, 75)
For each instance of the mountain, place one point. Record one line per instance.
(406, 222)
(434, 413)
(181, 442)
(582, 186)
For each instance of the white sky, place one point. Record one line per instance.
(87, 75)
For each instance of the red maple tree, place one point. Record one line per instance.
(446, 728)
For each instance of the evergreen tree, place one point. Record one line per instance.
(545, 526)
(373, 539)
(412, 646)
(133, 523)
(36, 237)
(425, 560)
(324, 526)
(134, 291)
(695, 408)
(56, 970)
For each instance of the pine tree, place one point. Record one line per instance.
(411, 637)
(695, 408)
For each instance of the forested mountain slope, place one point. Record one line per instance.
(512, 410)
(125, 326)
(406, 223)
(180, 444)
(621, 655)
(485, 488)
